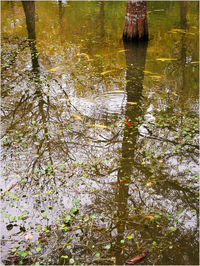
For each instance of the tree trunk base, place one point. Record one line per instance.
(136, 26)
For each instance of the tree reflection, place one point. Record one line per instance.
(135, 62)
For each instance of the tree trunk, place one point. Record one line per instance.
(136, 27)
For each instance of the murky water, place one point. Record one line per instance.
(99, 138)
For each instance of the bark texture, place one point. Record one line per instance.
(136, 26)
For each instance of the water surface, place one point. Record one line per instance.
(99, 137)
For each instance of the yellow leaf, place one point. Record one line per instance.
(165, 59)
(150, 217)
(149, 184)
(86, 55)
(97, 125)
(108, 71)
(147, 72)
(121, 51)
(156, 76)
(29, 237)
(157, 10)
(132, 103)
(76, 117)
(143, 163)
(195, 62)
(178, 30)
(53, 69)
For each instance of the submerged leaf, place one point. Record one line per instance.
(138, 258)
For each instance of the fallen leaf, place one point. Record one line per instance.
(29, 237)
(149, 184)
(148, 72)
(165, 59)
(195, 62)
(121, 51)
(157, 10)
(150, 217)
(126, 121)
(53, 69)
(133, 103)
(178, 30)
(138, 258)
(76, 116)
(86, 55)
(78, 54)
(98, 125)
(108, 71)
(156, 76)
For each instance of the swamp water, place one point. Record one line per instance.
(99, 138)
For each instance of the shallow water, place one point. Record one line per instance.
(99, 137)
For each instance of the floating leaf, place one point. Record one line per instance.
(148, 72)
(132, 103)
(53, 69)
(165, 59)
(108, 246)
(129, 237)
(86, 55)
(126, 121)
(38, 249)
(106, 72)
(68, 218)
(97, 125)
(156, 76)
(149, 184)
(172, 229)
(150, 217)
(71, 261)
(74, 210)
(121, 51)
(29, 237)
(97, 254)
(177, 30)
(76, 117)
(154, 243)
(78, 54)
(64, 257)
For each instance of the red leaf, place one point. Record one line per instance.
(126, 121)
(138, 258)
